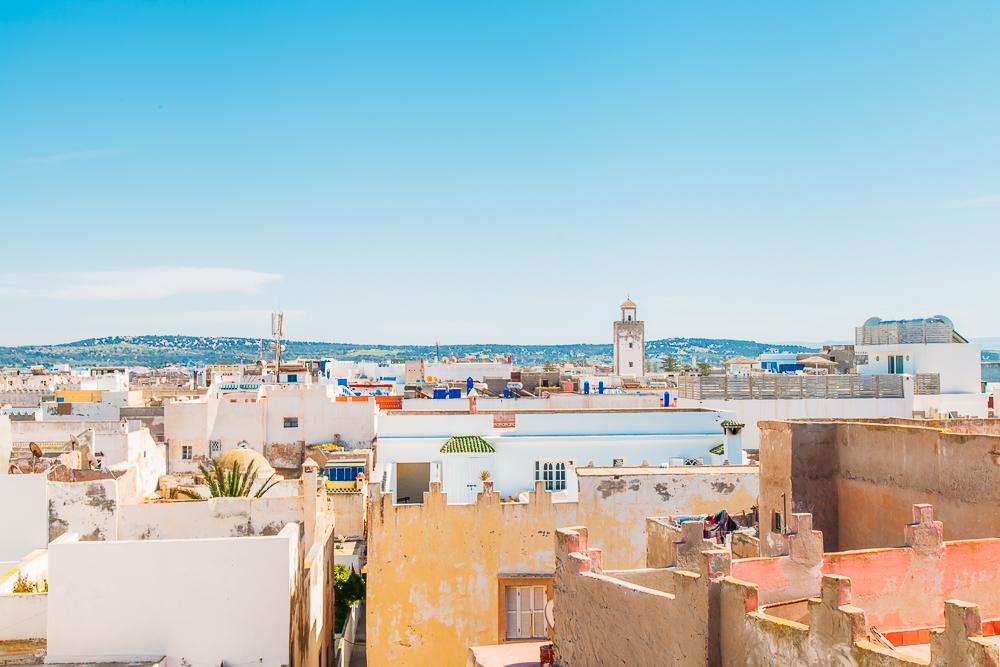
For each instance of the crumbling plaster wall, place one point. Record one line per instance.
(89, 509)
(215, 517)
(615, 508)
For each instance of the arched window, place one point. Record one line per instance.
(552, 473)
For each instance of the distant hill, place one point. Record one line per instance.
(199, 350)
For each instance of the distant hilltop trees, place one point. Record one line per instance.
(200, 350)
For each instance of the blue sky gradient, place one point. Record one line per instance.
(496, 171)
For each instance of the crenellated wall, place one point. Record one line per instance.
(805, 607)
(604, 617)
(435, 569)
(838, 633)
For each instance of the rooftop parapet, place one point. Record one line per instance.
(937, 329)
(838, 633)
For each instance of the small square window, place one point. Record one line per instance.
(291, 422)
(187, 452)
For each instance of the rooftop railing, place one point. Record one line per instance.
(896, 333)
(775, 386)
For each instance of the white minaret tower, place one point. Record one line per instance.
(630, 343)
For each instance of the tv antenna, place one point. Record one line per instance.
(277, 330)
(36, 453)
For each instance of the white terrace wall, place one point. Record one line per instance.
(23, 520)
(22, 615)
(197, 602)
(215, 517)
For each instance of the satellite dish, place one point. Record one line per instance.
(549, 618)
(36, 451)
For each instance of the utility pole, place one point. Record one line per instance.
(277, 329)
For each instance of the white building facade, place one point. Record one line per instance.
(925, 346)
(515, 449)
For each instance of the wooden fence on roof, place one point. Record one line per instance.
(774, 386)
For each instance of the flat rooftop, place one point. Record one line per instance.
(663, 470)
(550, 411)
(32, 652)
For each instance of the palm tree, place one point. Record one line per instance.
(233, 483)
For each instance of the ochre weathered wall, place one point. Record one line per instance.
(434, 569)
(799, 452)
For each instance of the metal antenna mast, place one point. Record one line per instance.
(277, 329)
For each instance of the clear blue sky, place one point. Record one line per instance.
(496, 171)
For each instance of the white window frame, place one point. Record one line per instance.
(286, 420)
(553, 473)
(524, 612)
(187, 453)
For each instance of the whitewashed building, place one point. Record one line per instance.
(925, 346)
(275, 420)
(514, 449)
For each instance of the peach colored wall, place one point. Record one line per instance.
(902, 588)
(898, 588)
